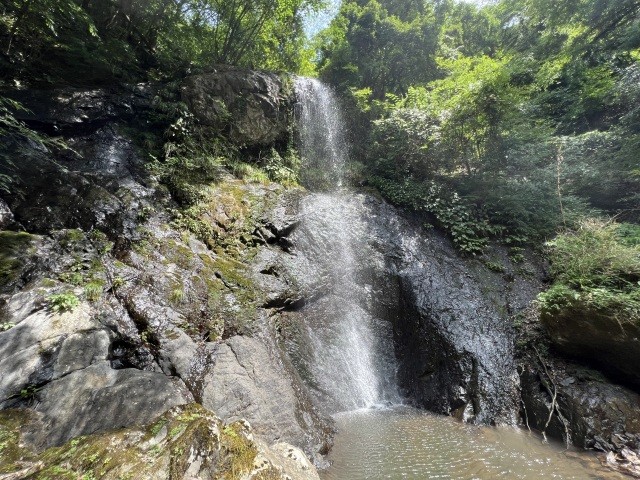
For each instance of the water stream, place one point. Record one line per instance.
(352, 363)
(349, 359)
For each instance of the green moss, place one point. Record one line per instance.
(11, 451)
(240, 453)
(136, 453)
(178, 254)
(15, 247)
(70, 238)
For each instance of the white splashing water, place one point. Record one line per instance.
(322, 128)
(352, 361)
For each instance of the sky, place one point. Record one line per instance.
(317, 21)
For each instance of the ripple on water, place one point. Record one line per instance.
(408, 444)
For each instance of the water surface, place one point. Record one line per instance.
(408, 444)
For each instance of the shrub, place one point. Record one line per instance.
(597, 255)
(596, 271)
(452, 213)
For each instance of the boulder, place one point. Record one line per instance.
(187, 442)
(253, 107)
(602, 341)
(99, 398)
(596, 414)
(245, 381)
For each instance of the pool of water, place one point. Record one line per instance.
(409, 444)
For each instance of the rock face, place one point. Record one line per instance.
(187, 442)
(253, 108)
(604, 342)
(453, 343)
(243, 382)
(110, 315)
(595, 414)
(98, 182)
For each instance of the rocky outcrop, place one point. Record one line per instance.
(111, 313)
(58, 364)
(243, 382)
(186, 442)
(595, 414)
(602, 341)
(575, 403)
(453, 339)
(252, 108)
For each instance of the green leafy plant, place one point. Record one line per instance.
(6, 326)
(63, 302)
(93, 291)
(595, 272)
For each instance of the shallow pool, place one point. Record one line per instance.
(408, 444)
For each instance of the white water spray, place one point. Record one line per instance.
(352, 361)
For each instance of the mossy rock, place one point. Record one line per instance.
(593, 332)
(13, 456)
(186, 441)
(16, 248)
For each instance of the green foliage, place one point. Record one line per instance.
(6, 326)
(596, 269)
(367, 43)
(282, 168)
(63, 302)
(595, 256)
(52, 40)
(192, 157)
(177, 296)
(527, 110)
(451, 212)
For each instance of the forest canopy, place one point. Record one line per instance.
(129, 40)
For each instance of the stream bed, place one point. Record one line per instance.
(404, 443)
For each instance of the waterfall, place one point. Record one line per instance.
(322, 134)
(352, 361)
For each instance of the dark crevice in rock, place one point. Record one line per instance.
(125, 354)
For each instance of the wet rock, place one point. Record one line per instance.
(142, 342)
(97, 182)
(450, 324)
(254, 107)
(595, 414)
(60, 109)
(6, 215)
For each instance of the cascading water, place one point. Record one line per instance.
(352, 363)
(354, 263)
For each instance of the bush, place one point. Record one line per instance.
(596, 271)
(597, 255)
